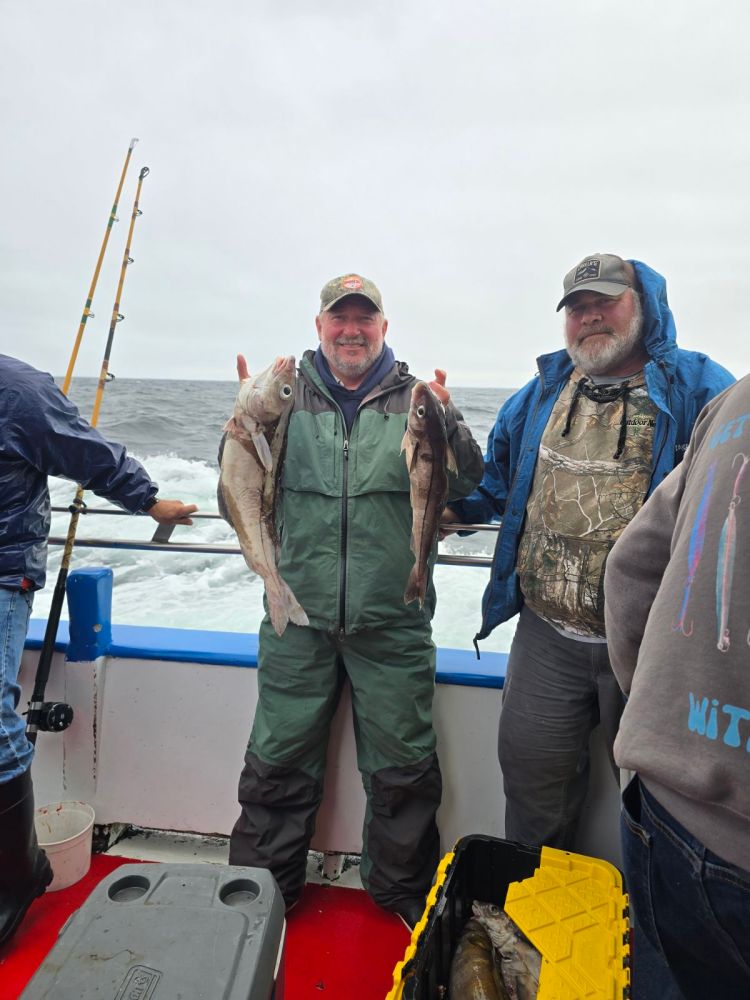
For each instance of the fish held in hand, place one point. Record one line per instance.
(429, 458)
(250, 467)
(474, 973)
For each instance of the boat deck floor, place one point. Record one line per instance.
(339, 944)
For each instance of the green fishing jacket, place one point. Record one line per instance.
(344, 511)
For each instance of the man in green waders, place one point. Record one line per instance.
(345, 553)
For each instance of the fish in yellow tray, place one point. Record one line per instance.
(251, 461)
(474, 971)
(429, 458)
(520, 962)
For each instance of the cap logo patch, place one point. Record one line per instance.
(353, 283)
(587, 270)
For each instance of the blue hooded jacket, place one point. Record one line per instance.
(679, 382)
(41, 434)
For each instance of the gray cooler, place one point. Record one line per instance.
(169, 931)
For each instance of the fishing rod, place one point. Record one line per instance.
(46, 716)
(89, 299)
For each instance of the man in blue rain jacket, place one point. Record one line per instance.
(42, 434)
(572, 457)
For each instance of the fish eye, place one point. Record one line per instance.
(286, 391)
(421, 410)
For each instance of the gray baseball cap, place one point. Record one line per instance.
(349, 284)
(600, 272)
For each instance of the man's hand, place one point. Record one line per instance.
(172, 512)
(448, 517)
(242, 371)
(438, 387)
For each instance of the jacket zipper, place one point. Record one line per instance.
(344, 535)
(341, 631)
(345, 506)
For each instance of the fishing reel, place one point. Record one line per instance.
(50, 716)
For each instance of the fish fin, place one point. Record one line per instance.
(415, 588)
(298, 616)
(450, 461)
(262, 448)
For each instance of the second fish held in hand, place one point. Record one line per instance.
(429, 458)
(250, 467)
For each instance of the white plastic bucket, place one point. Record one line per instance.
(64, 830)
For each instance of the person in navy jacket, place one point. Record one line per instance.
(42, 434)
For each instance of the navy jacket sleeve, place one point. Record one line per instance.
(45, 429)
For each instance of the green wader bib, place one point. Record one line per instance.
(300, 675)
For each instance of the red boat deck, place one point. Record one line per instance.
(339, 944)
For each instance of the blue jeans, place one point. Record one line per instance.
(15, 750)
(690, 909)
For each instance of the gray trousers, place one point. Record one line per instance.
(557, 690)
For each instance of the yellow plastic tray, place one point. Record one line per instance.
(573, 910)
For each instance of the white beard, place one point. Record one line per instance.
(598, 357)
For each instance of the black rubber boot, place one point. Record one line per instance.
(25, 871)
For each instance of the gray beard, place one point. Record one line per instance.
(607, 355)
(351, 369)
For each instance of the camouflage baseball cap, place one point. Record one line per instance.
(349, 284)
(601, 272)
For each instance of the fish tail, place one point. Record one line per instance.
(283, 606)
(416, 587)
(279, 617)
(294, 609)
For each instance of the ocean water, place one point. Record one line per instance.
(174, 427)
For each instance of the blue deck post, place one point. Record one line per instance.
(90, 609)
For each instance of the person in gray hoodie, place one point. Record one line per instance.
(677, 614)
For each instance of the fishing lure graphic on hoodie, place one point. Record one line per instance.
(727, 545)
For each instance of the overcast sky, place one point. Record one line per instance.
(463, 155)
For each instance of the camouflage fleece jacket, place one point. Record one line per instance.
(679, 383)
(345, 514)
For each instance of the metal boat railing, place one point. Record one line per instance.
(160, 541)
